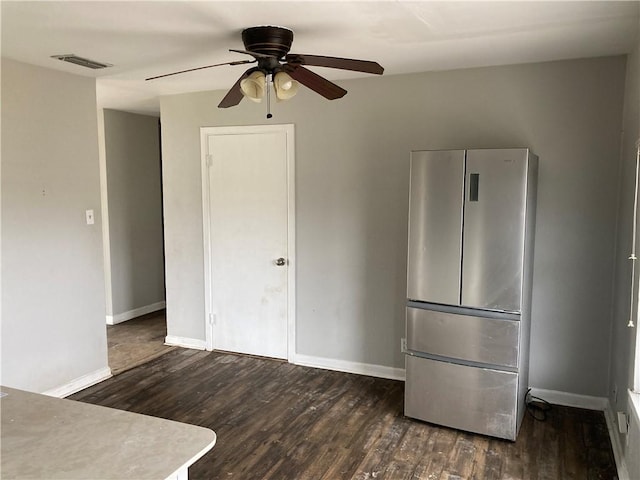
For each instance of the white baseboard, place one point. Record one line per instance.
(368, 369)
(80, 383)
(185, 342)
(136, 312)
(616, 446)
(571, 399)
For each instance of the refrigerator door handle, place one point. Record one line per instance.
(474, 186)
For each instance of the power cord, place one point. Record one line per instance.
(537, 407)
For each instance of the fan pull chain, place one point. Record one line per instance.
(269, 81)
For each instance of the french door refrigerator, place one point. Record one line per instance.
(469, 274)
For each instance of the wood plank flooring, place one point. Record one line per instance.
(275, 420)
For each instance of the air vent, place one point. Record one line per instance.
(83, 62)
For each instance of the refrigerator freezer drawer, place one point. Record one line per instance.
(464, 337)
(468, 398)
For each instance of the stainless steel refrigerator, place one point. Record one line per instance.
(469, 275)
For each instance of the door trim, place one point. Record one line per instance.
(205, 133)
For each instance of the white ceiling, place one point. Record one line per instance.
(147, 38)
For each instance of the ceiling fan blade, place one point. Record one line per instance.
(315, 82)
(234, 95)
(365, 66)
(238, 62)
(255, 55)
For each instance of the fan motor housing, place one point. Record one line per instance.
(268, 40)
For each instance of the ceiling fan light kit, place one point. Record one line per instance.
(269, 46)
(253, 86)
(286, 87)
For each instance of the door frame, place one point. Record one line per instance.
(208, 235)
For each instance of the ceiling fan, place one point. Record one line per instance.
(269, 46)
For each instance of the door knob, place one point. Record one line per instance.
(280, 261)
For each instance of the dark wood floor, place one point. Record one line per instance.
(280, 421)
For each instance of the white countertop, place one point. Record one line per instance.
(50, 438)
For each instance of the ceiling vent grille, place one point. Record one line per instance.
(83, 62)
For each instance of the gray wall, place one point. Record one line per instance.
(351, 200)
(53, 303)
(623, 338)
(132, 156)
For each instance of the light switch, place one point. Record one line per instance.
(90, 219)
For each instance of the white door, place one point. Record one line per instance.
(248, 171)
